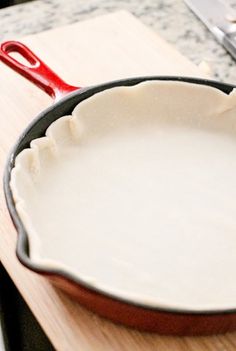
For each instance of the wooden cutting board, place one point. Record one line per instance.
(109, 47)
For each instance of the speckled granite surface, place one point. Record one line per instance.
(170, 18)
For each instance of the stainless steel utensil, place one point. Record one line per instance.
(219, 18)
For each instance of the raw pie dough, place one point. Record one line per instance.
(135, 193)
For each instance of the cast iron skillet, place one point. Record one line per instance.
(161, 320)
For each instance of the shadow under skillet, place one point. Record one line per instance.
(18, 327)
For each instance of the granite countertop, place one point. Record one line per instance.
(170, 18)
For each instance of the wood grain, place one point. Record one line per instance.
(98, 50)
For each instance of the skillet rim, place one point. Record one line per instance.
(22, 245)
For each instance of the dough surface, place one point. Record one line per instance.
(135, 193)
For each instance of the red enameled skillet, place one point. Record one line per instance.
(161, 320)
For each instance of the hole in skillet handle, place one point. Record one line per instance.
(21, 59)
(35, 71)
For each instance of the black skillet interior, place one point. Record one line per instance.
(37, 129)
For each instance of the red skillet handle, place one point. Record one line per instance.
(37, 72)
